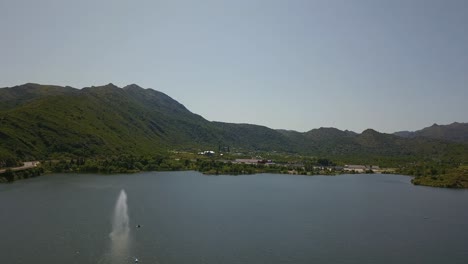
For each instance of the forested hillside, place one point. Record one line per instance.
(46, 122)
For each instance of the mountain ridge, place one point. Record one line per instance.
(455, 132)
(44, 121)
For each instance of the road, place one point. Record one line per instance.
(26, 165)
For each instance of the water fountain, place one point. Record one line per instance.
(120, 235)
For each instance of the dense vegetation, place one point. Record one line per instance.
(131, 164)
(10, 176)
(101, 129)
(174, 162)
(438, 175)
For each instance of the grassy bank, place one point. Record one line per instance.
(456, 178)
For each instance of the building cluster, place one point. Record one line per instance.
(300, 166)
(253, 161)
(361, 168)
(206, 152)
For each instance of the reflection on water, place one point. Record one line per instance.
(120, 235)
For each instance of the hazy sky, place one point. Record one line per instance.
(390, 65)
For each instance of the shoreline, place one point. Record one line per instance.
(37, 171)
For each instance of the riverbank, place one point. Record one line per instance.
(10, 175)
(450, 178)
(457, 178)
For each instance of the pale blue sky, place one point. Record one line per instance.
(389, 65)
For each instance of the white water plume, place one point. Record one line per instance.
(120, 235)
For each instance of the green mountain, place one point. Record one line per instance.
(42, 122)
(374, 147)
(95, 121)
(455, 132)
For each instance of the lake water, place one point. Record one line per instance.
(186, 217)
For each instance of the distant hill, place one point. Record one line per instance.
(43, 121)
(455, 132)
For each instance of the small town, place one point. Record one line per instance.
(299, 167)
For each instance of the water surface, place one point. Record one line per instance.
(186, 217)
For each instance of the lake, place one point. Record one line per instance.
(187, 217)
